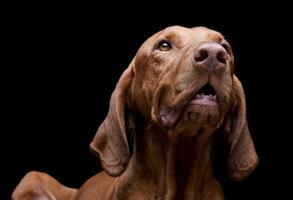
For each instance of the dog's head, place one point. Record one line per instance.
(182, 80)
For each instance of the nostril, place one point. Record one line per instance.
(201, 55)
(222, 56)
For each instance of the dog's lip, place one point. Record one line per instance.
(203, 99)
(170, 113)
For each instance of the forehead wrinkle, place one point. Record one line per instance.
(176, 34)
(172, 36)
(215, 36)
(206, 34)
(176, 38)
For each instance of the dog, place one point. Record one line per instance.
(156, 141)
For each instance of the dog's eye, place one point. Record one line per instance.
(164, 46)
(227, 48)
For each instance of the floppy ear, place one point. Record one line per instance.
(242, 158)
(110, 142)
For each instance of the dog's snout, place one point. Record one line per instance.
(211, 54)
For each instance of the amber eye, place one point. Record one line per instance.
(164, 46)
(227, 48)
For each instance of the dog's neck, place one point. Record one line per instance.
(167, 170)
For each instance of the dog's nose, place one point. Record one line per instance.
(211, 54)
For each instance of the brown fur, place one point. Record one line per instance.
(171, 138)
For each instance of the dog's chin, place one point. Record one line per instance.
(202, 112)
(198, 118)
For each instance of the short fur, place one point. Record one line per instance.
(155, 143)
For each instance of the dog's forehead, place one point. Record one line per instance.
(203, 33)
(181, 36)
(195, 34)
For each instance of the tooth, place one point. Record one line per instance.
(197, 96)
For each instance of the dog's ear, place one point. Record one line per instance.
(242, 158)
(110, 142)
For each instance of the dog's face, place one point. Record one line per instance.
(183, 81)
(183, 78)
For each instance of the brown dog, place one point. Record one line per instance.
(156, 140)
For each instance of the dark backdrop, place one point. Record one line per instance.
(62, 63)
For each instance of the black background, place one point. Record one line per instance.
(61, 63)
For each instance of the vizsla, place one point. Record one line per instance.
(156, 141)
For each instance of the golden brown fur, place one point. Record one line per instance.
(156, 141)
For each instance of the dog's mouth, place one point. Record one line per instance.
(205, 100)
(206, 96)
